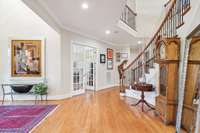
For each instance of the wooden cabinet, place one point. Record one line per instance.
(167, 56)
(192, 86)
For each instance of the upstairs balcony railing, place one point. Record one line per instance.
(168, 29)
(129, 17)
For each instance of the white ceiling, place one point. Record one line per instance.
(102, 15)
(149, 13)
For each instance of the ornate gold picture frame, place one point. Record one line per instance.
(26, 58)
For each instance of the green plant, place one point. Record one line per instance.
(40, 88)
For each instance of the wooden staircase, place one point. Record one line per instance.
(173, 20)
(167, 29)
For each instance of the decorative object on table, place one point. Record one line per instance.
(40, 88)
(26, 58)
(102, 58)
(124, 56)
(109, 53)
(118, 57)
(109, 64)
(23, 118)
(21, 88)
(167, 56)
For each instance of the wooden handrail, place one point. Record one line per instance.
(150, 59)
(126, 6)
(167, 3)
(168, 28)
(155, 35)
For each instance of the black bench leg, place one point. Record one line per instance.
(11, 94)
(3, 99)
(3, 94)
(12, 97)
(35, 99)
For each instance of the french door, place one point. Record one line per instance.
(84, 68)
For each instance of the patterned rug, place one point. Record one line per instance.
(22, 118)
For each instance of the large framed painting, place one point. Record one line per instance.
(109, 53)
(26, 58)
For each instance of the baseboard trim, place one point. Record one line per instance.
(108, 87)
(50, 97)
(59, 97)
(30, 98)
(122, 94)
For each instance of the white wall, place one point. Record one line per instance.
(67, 38)
(17, 20)
(134, 53)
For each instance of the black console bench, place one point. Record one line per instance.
(20, 89)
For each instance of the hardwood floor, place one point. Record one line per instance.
(101, 112)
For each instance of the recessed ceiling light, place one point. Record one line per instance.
(107, 32)
(85, 6)
(139, 42)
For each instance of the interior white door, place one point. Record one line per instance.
(84, 68)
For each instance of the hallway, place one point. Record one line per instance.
(101, 112)
(92, 60)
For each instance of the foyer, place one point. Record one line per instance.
(100, 66)
(100, 112)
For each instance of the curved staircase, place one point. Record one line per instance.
(172, 21)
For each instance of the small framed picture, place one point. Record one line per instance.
(124, 55)
(109, 53)
(102, 58)
(118, 57)
(109, 64)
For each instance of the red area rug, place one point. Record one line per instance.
(22, 118)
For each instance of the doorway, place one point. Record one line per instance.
(83, 68)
